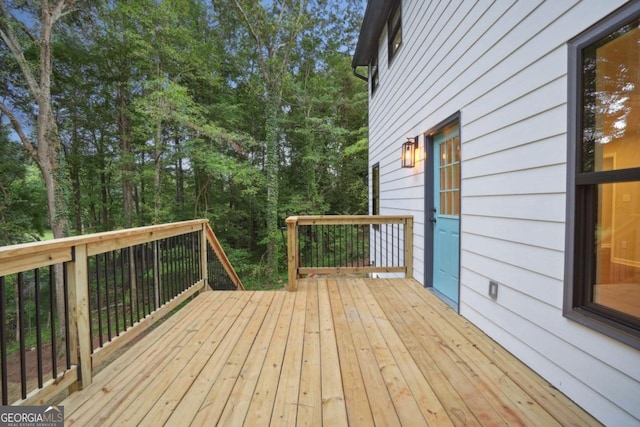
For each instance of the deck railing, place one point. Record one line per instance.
(67, 304)
(348, 244)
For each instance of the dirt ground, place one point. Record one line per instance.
(31, 359)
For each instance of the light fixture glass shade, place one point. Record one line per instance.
(409, 149)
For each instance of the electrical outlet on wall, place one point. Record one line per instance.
(493, 289)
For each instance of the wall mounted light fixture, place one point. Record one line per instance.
(409, 150)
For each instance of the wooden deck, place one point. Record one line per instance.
(359, 352)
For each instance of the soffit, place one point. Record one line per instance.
(375, 18)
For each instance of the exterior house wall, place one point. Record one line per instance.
(503, 66)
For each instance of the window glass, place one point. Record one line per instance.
(394, 30)
(374, 74)
(450, 177)
(617, 278)
(375, 190)
(611, 117)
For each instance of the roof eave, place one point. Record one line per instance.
(375, 17)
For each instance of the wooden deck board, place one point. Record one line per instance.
(337, 352)
(355, 393)
(114, 385)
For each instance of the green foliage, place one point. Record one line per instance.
(23, 201)
(171, 110)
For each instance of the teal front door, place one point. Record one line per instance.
(446, 212)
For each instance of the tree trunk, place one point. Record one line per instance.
(179, 178)
(157, 165)
(272, 170)
(128, 165)
(47, 153)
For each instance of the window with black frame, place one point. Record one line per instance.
(374, 74)
(394, 30)
(603, 286)
(375, 189)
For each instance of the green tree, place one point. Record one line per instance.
(22, 197)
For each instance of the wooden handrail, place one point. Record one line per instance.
(222, 256)
(293, 254)
(26, 256)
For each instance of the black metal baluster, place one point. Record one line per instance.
(350, 251)
(190, 254)
(186, 244)
(114, 276)
(375, 246)
(161, 274)
(122, 285)
(156, 274)
(106, 287)
(399, 248)
(384, 245)
(98, 302)
(179, 263)
(169, 263)
(360, 243)
(144, 277)
(38, 329)
(139, 281)
(196, 258)
(23, 355)
(172, 266)
(314, 244)
(193, 277)
(143, 280)
(311, 257)
(131, 278)
(65, 282)
(338, 249)
(167, 269)
(52, 305)
(393, 243)
(3, 342)
(180, 282)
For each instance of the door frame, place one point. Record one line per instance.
(429, 202)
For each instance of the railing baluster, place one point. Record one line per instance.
(23, 357)
(98, 302)
(38, 329)
(52, 321)
(174, 270)
(3, 342)
(133, 286)
(114, 274)
(144, 279)
(122, 286)
(169, 262)
(107, 299)
(180, 268)
(67, 341)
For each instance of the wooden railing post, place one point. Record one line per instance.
(203, 257)
(79, 330)
(292, 253)
(408, 247)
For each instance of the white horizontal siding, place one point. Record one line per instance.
(503, 66)
(567, 368)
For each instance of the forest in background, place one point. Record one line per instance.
(117, 114)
